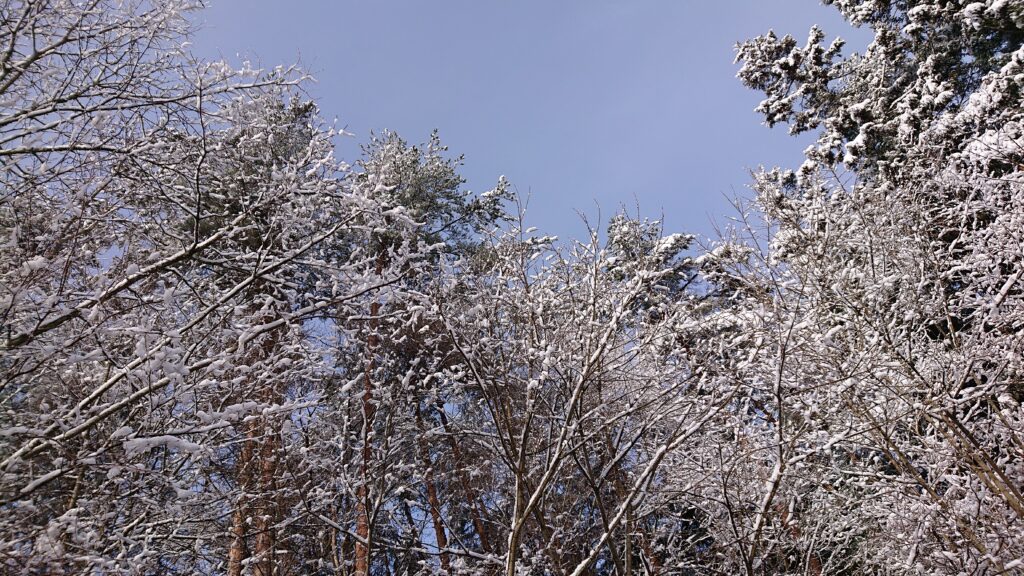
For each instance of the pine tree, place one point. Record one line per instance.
(894, 239)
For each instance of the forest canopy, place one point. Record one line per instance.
(225, 351)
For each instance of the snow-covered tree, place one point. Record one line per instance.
(897, 241)
(573, 394)
(224, 351)
(166, 225)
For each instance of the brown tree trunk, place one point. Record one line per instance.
(655, 564)
(475, 508)
(432, 500)
(266, 515)
(256, 467)
(362, 494)
(238, 551)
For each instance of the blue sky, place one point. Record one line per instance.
(585, 105)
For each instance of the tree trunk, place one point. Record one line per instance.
(238, 551)
(256, 469)
(476, 509)
(362, 494)
(267, 510)
(432, 500)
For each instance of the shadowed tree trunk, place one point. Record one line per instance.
(267, 510)
(476, 509)
(238, 551)
(432, 500)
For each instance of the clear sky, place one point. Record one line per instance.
(580, 103)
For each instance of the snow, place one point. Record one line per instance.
(138, 446)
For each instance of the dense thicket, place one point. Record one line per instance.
(223, 351)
